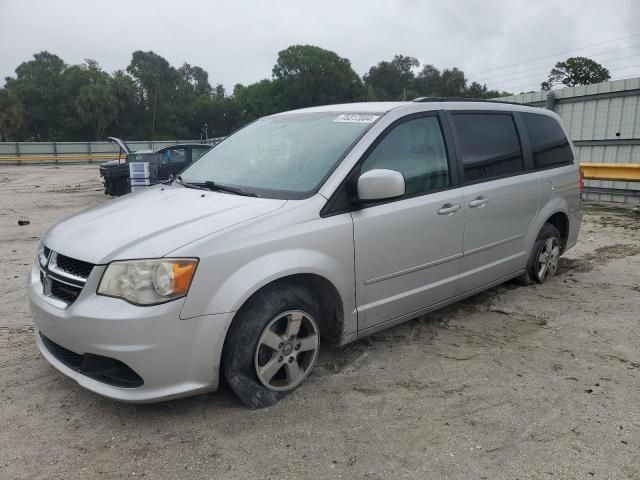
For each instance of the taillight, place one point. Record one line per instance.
(581, 181)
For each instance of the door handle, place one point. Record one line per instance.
(478, 202)
(449, 209)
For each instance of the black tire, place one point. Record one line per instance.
(548, 235)
(121, 187)
(240, 357)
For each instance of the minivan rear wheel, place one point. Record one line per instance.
(545, 256)
(272, 345)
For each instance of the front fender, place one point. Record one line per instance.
(233, 268)
(251, 277)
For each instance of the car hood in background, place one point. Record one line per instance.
(152, 223)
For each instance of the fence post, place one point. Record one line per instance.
(55, 151)
(89, 160)
(551, 101)
(18, 152)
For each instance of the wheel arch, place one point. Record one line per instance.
(560, 220)
(556, 212)
(331, 323)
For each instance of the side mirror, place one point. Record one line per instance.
(380, 184)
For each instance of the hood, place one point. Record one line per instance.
(120, 143)
(112, 163)
(151, 223)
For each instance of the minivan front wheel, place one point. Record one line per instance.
(287, 350)
(545, 256)
(272, 345)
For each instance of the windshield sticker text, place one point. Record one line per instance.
(356, 118)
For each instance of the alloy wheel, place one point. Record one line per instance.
(287, 350)
(549, 258)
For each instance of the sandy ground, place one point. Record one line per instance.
(515, 383)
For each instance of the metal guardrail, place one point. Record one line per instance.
(30, 153)
(16, 153)
(66, 158)
(626, 172)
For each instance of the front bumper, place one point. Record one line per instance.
(173, 357)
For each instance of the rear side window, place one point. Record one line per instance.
(549, 144)
(416, 149)
(489, 145)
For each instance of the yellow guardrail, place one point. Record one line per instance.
(625, 172)
(63, 157)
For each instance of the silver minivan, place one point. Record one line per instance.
(302, 229)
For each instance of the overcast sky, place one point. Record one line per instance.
(238, 41)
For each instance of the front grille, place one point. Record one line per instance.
(62, 277)
(73, 266)
(66, 293)
(104, 369)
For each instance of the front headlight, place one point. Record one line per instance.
(148, 282)
(43, 254)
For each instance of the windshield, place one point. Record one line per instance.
(285, 156)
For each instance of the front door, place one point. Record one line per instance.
(407, 251)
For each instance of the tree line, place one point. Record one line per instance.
(49, 100)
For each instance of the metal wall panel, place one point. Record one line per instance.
(609, 111)
(8, 148)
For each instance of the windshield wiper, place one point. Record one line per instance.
(198, 186)
(226, 188)
(215, 187)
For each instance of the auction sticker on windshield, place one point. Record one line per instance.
(356, 118)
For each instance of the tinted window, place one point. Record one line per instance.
(489, 145)
(173, 155)
(178, 155)
(197, 153)
(549, 144)
(414, 148)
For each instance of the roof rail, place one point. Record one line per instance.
(459, 99)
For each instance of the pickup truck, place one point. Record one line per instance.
(170, 161)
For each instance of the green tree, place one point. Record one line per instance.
(50, 100)
(392, 80)
(11, 115)
(96, 105)
(88, 107)
(576, 71)
(428, 82)
(158, 82)
(38, 87)
(431, 82)
(196, 80)
(257, 100)
(220, 114)
(130, 108)
(172, 99)
(306, 75)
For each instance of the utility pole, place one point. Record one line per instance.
(153, 122)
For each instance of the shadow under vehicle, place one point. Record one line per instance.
(166, 162)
